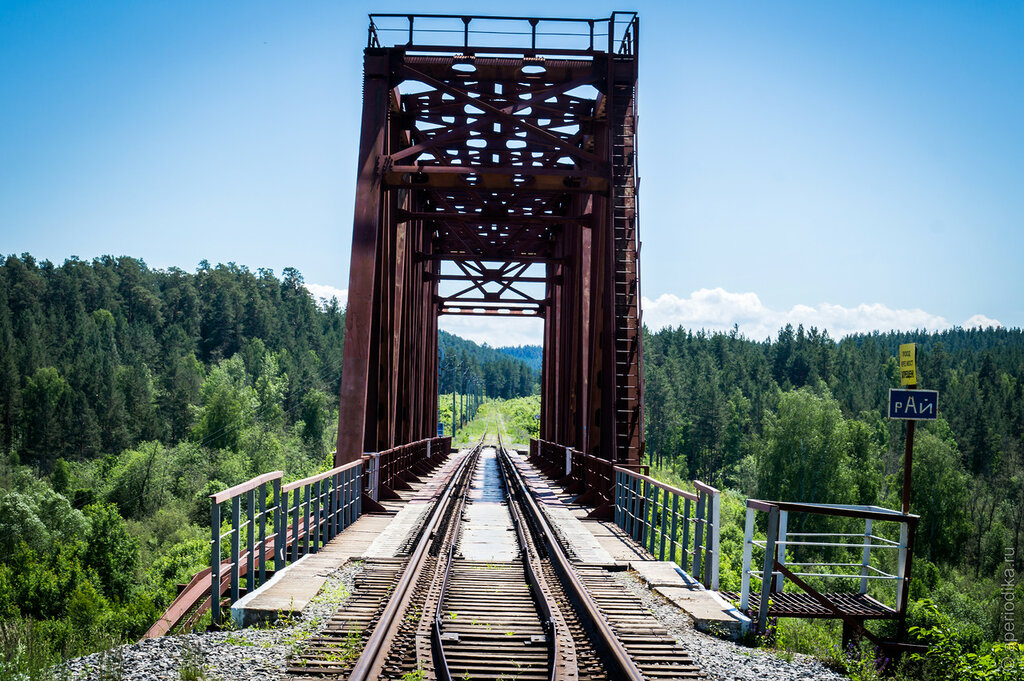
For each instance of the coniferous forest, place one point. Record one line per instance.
(127, 396)
(803, 417)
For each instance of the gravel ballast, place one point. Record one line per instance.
(244, 655)
(724, 660)
(260, 653)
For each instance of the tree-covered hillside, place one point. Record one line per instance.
(531, 354)
(804, 418)
(496, 373)
(99, 356)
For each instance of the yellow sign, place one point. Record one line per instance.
(908, 364)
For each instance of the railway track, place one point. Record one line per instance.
(486, 592)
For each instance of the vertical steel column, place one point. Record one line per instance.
(357, 415)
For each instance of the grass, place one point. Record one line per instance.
(193, 663)
(414, 675)
(332, 593)
(26, 651)
(515, 417)
(817, 638)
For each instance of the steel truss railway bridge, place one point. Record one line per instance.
(497, 176)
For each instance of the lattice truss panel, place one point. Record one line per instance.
(498, 147)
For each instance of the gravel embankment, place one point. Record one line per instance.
(246, 655)
(725, 660)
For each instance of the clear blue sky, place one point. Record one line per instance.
(855, 165)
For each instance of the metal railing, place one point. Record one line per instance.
(776, 568)
(394, 468)
(263, 519)
(301, 517)
(590, 477)
(670, 522)
(553, 459)
(531, 36)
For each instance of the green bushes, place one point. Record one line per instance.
(97, 564)
(517, 416)
(954, 655)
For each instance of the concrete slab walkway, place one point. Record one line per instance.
(600, 542)
(371, 536)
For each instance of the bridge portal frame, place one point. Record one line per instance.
(503, 169)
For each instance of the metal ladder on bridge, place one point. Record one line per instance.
(628, 360)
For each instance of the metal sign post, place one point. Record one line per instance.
(908, 378)
(911, 405)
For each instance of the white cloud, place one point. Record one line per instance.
(982, 321)
(711, 309)
(495, 331)
(718, 310)
(323, 293)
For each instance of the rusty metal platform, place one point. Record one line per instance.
(856, 605)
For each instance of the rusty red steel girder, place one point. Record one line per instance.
(497, 176)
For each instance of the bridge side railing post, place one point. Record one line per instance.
(374, 479)
(647, 538)
(348, 495)
(698, 537)
(281, 544)
(771, 535)
(675, 527)
(235, 517)
(618, 497)
(865, 557)
(215, 562)
(295, 507)
(716, 519)
(686, 563)
(748, 549)
(780, 549)
(250, 541)
(707, 525)
(358, 494)
(351, 496)
(317, 517)
(902, 573)
(262, 498)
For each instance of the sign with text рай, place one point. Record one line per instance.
(914, 405)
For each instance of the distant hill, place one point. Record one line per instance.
(531, 354)
(502, 374)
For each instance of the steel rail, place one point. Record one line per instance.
(371, 661)
(441, 670)
(621, 665)
(544, 602)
